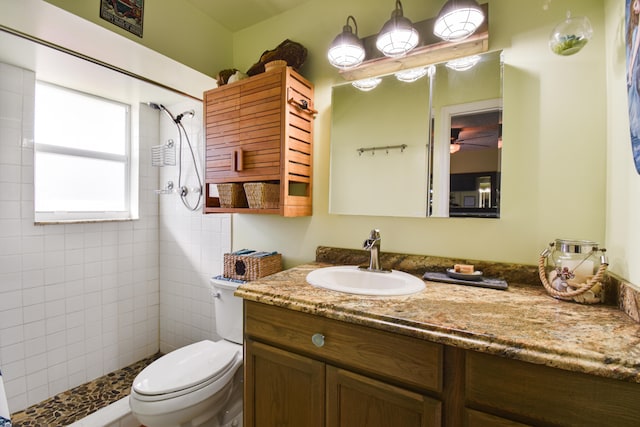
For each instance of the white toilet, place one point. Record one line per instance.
(199, 384)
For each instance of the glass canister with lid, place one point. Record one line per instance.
(573, 270)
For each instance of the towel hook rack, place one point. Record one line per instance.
(400, 147)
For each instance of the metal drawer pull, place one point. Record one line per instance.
(318, 340)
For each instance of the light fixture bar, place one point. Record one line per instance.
(431, 51)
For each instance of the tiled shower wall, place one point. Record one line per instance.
(191, 244)
(80, 300)
(76, 300)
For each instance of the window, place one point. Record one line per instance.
(82, 156)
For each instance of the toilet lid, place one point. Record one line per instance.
(186, 367)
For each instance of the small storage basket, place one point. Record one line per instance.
(232, 195)
(246, 267)
(262, 195)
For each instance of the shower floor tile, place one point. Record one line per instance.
(72, 405)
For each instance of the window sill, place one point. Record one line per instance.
(83, 221)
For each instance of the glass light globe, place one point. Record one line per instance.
(397, 36)
(346, 50)
(571, 35)
(457, 20)
(366, 85)
(411, 75)
(463, 64)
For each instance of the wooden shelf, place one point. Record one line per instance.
(211, 210)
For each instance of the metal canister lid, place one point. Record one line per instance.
(576, 246)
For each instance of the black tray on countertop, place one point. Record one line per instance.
(484, 283)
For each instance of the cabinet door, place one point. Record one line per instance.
(282, 389)
(244, 129)
(357, 401)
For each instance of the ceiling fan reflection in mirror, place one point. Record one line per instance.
(476, 131)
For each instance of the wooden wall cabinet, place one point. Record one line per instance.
(260, 129)
(357, 376)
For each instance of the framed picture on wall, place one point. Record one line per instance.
(633, 76)
(126, 14)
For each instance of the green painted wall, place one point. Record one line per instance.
(554, 132)
(567, 167)
(174, 28)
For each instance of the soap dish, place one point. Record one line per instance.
(476, 276)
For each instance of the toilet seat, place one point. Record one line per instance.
(186, 370)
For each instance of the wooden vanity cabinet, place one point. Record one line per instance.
(541, 395)
(356, 376)
(260, 129)
(352, 377)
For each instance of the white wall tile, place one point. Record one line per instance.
(86, 299)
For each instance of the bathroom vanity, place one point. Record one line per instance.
(446, 356)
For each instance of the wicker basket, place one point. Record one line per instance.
(244, 267)
(232, 195)
(262, 195)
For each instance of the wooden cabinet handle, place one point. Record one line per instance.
(303, 105)
(237, 160)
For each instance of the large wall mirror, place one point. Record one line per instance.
(431, 147)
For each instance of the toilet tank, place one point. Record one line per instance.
(228, 310)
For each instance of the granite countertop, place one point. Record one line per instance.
(522, 323)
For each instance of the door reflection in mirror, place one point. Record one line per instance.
(474, 167)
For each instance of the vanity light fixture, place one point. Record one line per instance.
(397, 36)
(412, 75)
(346, 50)
(366, 85)
(463, 64)
(458, 19)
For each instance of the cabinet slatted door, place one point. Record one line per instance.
(282, 389)
(260, 129)
(357, 401)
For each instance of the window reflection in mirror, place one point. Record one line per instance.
(415, 183)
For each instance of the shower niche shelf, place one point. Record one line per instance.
(260, 129)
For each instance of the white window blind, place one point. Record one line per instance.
(82, 156)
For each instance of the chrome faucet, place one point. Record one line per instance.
(372, 244)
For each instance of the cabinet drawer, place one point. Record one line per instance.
(544, 394)
(480, 419)
(410, 361)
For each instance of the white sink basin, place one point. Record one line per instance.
(352, 280)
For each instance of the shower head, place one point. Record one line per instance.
(190, 113)
(161, 107)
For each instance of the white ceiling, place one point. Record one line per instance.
(236, 15)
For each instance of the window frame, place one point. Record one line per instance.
(44, 217)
